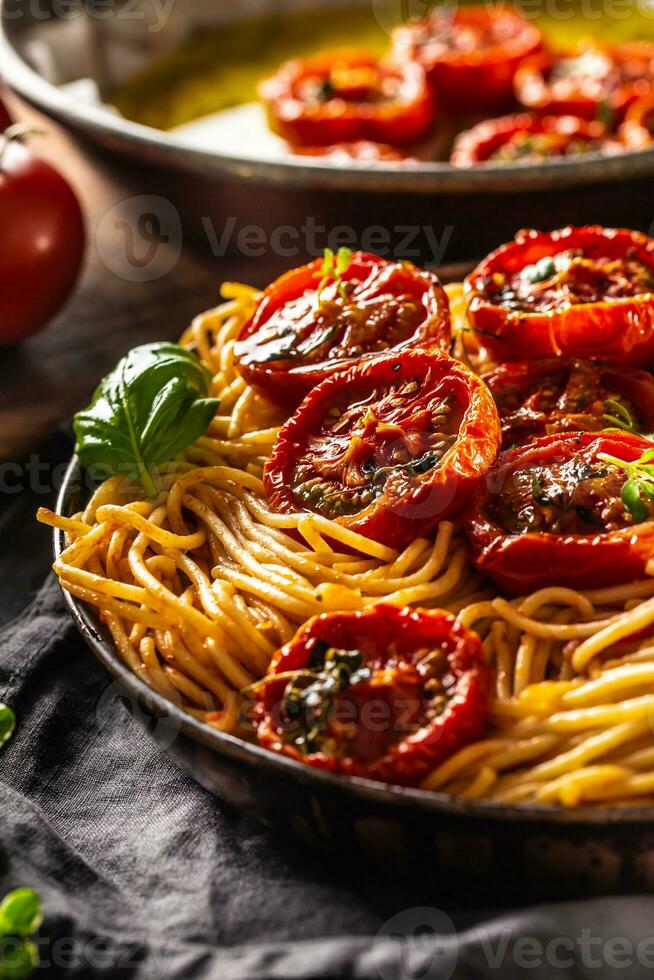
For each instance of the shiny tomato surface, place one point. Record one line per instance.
(346, 96)
(307, 326)
(552, 513)
(510, 139)
(595, 82)
(583, 292)
(385, 693)
(564, 394)
(637, 131)
(470, 53)
(389, 448)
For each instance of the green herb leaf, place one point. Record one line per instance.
(633, 501)
(333, 267)
(539, 271)
(145, 412)
(18, 958)
(7, 723)
(622, 419)
(20, 913)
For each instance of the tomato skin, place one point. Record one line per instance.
(442, 493)
(42, 243)
(408, 761)
(472, 79)
(289, 385)
(620, 331)
(636, 132)
(522, 377)
(522, 563)
(339, 120)
(478, 144)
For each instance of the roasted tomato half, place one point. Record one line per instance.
(386, 693)
(311, 322)
(637, 131)
(388, 448)
(511, 139)
(583, 292)
(470, 53)
(345, 96)
(570, 510)
(562, 394)
(593, 83)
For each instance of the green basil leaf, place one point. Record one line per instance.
(7, 723)
(20, 913)
(539, 271)
(145, 412)
(633, 501)
(18, 959)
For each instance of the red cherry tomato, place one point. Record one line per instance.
(637, 131)
(552, 513)
(593, 82)
(42, 242)
(347, 96)
(562, 394)
(470, 54)
(389, 448)
(386, 693)
(583, 292)
(307, 325)
(510, 139)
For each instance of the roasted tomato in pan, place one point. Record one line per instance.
(385, 693)
(511, 139)
(637, 131)
(345, 96)
(562, 394)
(570, 510)
(326, 315)
(470, 54)
(583, 292)
(592, 83)
(388, 448)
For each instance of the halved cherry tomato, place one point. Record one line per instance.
(562, 394)
(385, 693)
(637, 131)
(345, 96)
(522, 136)
(305, 328)
(363, 150)
(552, 513)
(584, 292)
(389, 448)
(594, 82)
(470, 54)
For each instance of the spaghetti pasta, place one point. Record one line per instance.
(199, 588)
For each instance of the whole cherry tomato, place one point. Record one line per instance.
(386, 693)
(563, 394)
(389, 448)
(470, 54)
(327, 315)
(522, 136)
(42, 242)
(347, 96)
(583, 292)
(565, 510)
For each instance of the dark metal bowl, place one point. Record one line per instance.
(475, 208)
(491, 847)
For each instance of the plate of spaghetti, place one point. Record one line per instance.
(384, 549)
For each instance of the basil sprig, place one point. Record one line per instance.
(20, 917)
(145, 412)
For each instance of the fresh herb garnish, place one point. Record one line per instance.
(20, 917)
(333, 267)
(639, 485)
(537, 490)
(7, 723)
(539, 271)
(145, 412)
(622, 418)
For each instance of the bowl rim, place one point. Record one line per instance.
(349, 787)
(158, 146)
